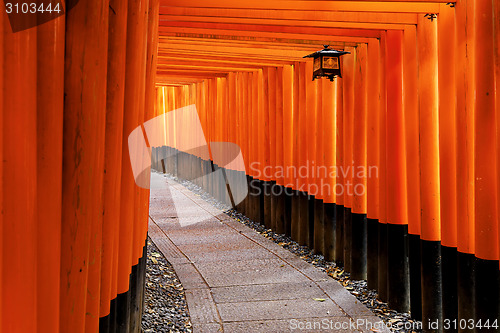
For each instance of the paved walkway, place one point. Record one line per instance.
(237, 280)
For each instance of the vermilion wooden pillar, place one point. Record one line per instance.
(19, 183)
(465, 94)
(245, 135)
(315, 188)
(327, 155)
(487, 276)
(309, 140)
(278, 193)
(113, 158)
(429, 170)
(50, 105)
(150, 17)
(447, 158)
(397, 205)
(410, 85)
(288, 142)
(382, 239)
(496, 41)
(359, 184)
(270, 146)
(348, 109)
(373, 161)
(339, 179)
(263, 147)
(133, 117)
(2, 31)
(255, 158)
(83, 150)
(298, 90)
(302, 151)
(151, 68)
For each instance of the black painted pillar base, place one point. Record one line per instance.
(303, 219)
(134, 299)
(415, 277)
(180, 164)
(122, 313)
(382, 262)
(295, 215)
(266, 187)
(105, 322)
(288, 194)
(310, 209)
(279, 213)
(358, 246)
(372, 253)
(450, 288)
(398, 289)
(319, 227)
(248, 199)
(254, 197)
(241, 206)
(126, 309)
(219, 183)
(347, 238)
(273, 192)
(432, 293)
(257, 197)
(339, 239)
(225, 188)
(487, 294)
(466, 287)
(210, 178)
(330, 226)
(261, 204)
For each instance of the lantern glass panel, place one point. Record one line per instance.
(331, 62)
(317, 64)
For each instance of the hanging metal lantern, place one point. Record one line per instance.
(326, 63)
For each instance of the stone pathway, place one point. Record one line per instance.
(237, 280)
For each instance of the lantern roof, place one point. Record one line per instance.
(327, 51)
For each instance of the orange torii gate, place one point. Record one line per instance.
(417, 103)
(426, 161)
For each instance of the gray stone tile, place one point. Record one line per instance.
(268, 244)
(201, 306)
(202, 236)
(281, 309)
(308, 269)
(267, 292)
(169, 250)
(189, 276)
(207, 328)
(234, 224)
(222, 252)
(244, 272)
(168, 224)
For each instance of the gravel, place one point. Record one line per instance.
(165, 308)
(396, 321)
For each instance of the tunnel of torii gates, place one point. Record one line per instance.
(416, 108)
